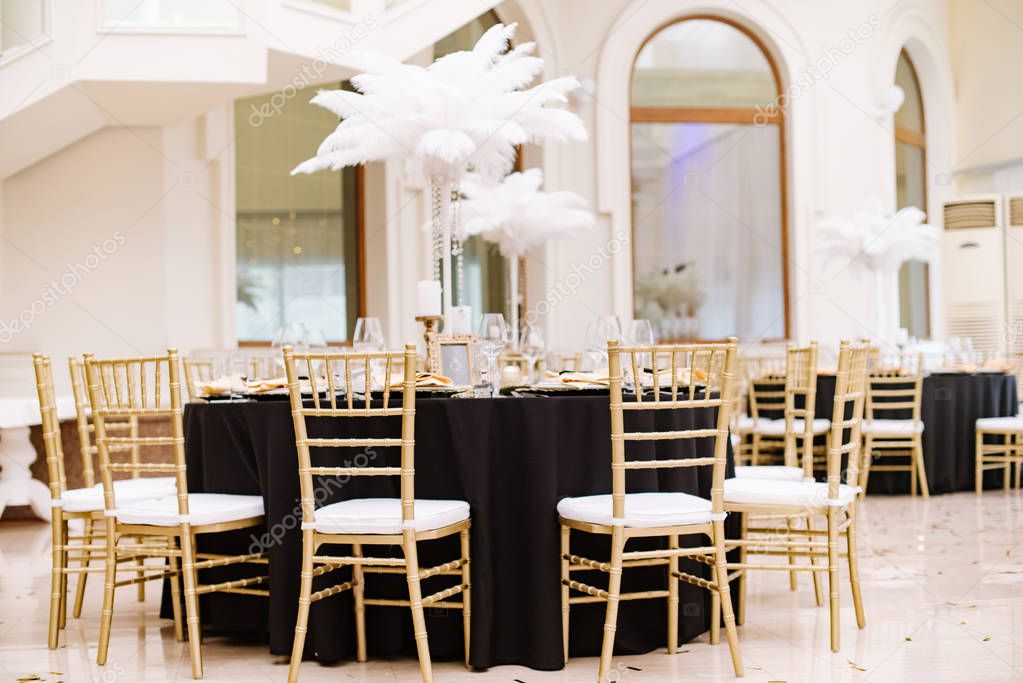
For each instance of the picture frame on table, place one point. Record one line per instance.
(455, 357)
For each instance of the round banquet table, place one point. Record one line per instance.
(949, 407)
(512, 459)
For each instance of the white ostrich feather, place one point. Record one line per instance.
(873, 241)
(466, 111)
(517, 215)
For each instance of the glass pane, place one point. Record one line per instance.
(914, 298)
(911, 114)
(297, 235)
(163, 14)
(21, 21)
(707, 230)
(702, 63)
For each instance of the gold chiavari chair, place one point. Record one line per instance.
(197, 370)
(264, 366)
(623, 515)
(400, 522)
(895, 389)
(1000, 451)
(120, 389)
(85, 504)
(150, 487)
(834, 500)
(793, 393)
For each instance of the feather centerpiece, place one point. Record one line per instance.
(467, 110)
(517, 216)
(873, 241)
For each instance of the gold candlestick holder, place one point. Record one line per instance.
(431, 326)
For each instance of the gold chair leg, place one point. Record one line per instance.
(854, 573)
(614, 589)
(755, 452)
(109, 576)
(918, 455)
(672, 597)
(140, 572)
(1006, 467)
(818, 580)
(359, 593)
(175, 587)
(793, 581)
(56, 576)
(912, 472)
(466, 594)
(62, 610)
(868, 456)
(833, 576)
(725, 596)
(565, 574)
(744, 522)
(715, 618)
(978, 465)
(416, 598)
(191, 600)
(76, 611)
(304, 591)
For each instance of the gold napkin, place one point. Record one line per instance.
(423, 380)
(222, 386)
(585, 378)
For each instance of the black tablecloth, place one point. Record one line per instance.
(949, 407)
(512, 459)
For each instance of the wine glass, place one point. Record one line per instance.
(493, 339)
(641, 333)
(368, 335)
(532, 347)
(603, 329)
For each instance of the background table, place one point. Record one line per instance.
(512, 459)
(949, 407)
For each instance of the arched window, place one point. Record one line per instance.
(708, 187)
(911, 190)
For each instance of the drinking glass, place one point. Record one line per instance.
(532, 347)
(603, 329)
(641, 333)
(368, 335)
(493, 338)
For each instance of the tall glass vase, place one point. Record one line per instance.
(513, 300)
(441, 230)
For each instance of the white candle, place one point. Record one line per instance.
(458, 320)
(428, 298)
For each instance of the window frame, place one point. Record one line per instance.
(918, 141)
(727, 115)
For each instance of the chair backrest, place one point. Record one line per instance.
(86, 429)
(50, 425)
(847, 415)
(263, 366)
(800, 397)
(125, 390)
(328, 374)
(895, 388)
(700, 376)
(764, 377)
(197, 370)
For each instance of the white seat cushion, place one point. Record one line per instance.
(383, 515)
(641, 509)
(892, 427)
(1007, 423)
(203, 508)
(776, 472)
(125, 491)
(803, 494)
(767, 427)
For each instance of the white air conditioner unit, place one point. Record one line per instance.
(1014, 272)
(973, 265)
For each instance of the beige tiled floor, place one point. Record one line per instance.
(942, 580)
